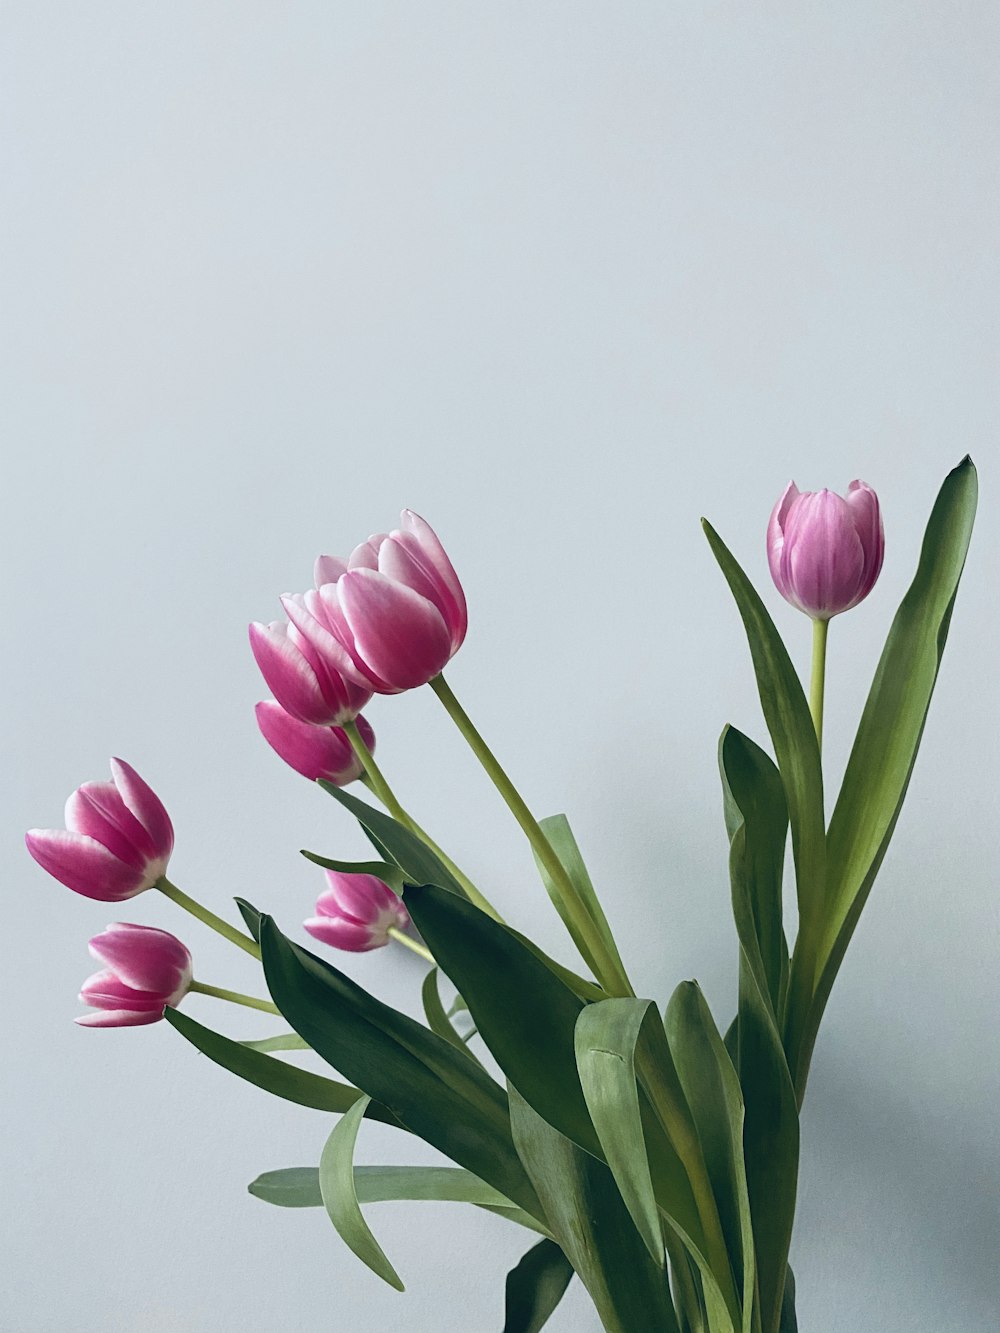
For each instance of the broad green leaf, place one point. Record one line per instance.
(712, 1089)
(524, 1013)
(250, 915)
(756, 820)
(786, 713)
(298, 1187)
(285, 1041)
(275, 1076)
(535, 1286)
(383, 870)
(433, 1089)
(560, 838)
(437, 1019)
(336, 1185)
(789, 1323)
(591, 1223)
(413, 857)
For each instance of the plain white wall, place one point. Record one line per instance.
(562, 277)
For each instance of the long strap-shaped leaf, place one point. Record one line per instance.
(757, 821)
(535, 1286)
(427, 1084)
(336, 1185)
(275, 1076)
(592, 1225)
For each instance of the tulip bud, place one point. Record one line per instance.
(356, 913)
(315, 752)
(825, 551)
(117, 841)
(145, 970)
(304, 674)
(395, 608)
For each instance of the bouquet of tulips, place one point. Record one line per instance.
(652, 1152)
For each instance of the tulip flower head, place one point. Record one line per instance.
(315, 752)
(117, 840)
(304, 674)
(825, 550)
(394, 609)
(356, 913)
(145, 970)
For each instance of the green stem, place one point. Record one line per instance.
(376, 781)
(179, 897)
(401, 937)
(235, 997)
(817, 682)
(610, 973)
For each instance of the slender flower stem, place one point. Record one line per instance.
(235, 997)
(609, 971)
(179, 897)
(401, 937)
(376, 781)
(817, 683)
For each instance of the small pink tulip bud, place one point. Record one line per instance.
(356, 913)
(395, 608)
(304, 674)
(315, 752)
(825, 551)
(145, 970)
(117, 841)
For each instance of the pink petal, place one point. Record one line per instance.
(97, 810)
(145, 959)
(417, 533)
(105, 990)
(400, 636)
(822, 559)
(776, 534)
(289, 676)
(329, 661)
(365, 556)
(348, 935)
(866, 511)
(328, 569)
(315, 752)
(146, 806)
(357, 896)
(335, 620)
(119, 1018)
(85, 866)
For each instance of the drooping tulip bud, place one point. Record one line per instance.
(395, 608)
(303, 674)
(145, 970)
(117, 841)
(315, 752)
(356, 913)
(825, 550)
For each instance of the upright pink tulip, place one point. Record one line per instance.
(356, 913)
(315, 752)
(395, 609)
(145, 970)
(825, 551)
(303, 673)
(117, 841)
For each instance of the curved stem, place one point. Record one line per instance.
(401, 937)
(235, 997)
(376, 781)
(189, 904)
(817, 683)
(609, 971)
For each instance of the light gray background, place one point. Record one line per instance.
(562, 277)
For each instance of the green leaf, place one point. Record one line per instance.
(885, 748)
(298, 1187)
(756, 818)
(560, 838)
(285, 1041)
(592, 1225)
(535, 1286)
(250, 915)
(433, 1089)
(389, 874)
(437, 1019)
(524, 1012)
(336, 1185)
(283, 1080)
(789, 1323)
(413, 857)
(712, 1089)
(786, 713)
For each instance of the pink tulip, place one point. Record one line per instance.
(304, 675)
(356, 913)
(145, 970)
(394, 610)
(825, 551)
(117, 841)
(315, 752)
